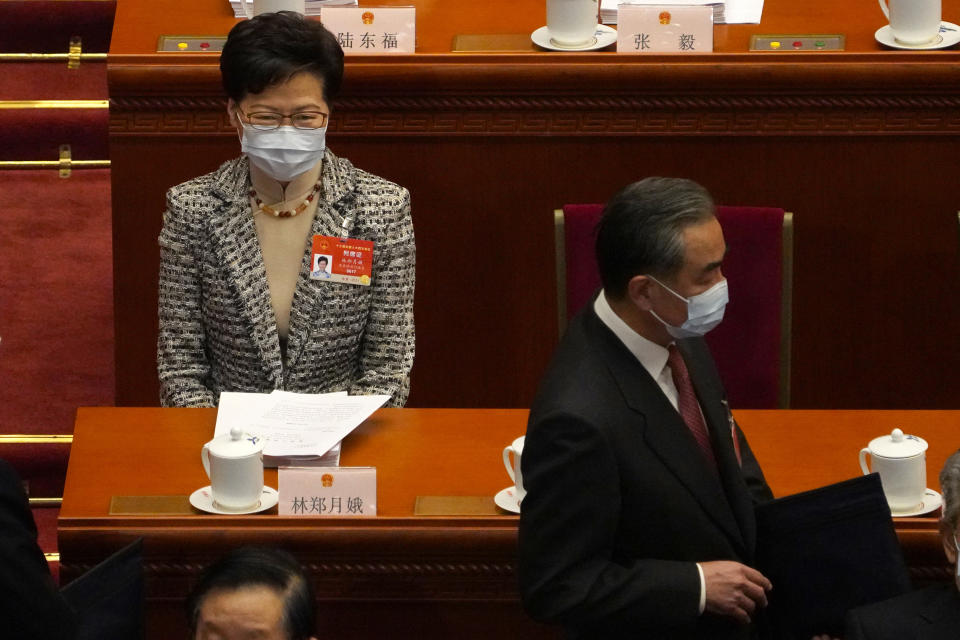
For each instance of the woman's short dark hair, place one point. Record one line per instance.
(271, 48)
(641, 231)
(255, 567)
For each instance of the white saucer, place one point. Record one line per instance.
(931, 502)
(604, 37)
(506, 500)
(949, 36)
(202, 499)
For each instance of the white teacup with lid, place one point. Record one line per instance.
(234, 463)
(901, 461)
(513, 468)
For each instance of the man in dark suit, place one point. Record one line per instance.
(927, 614)
(30, 604)
(638, 517)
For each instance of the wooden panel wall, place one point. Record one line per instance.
(860, 145)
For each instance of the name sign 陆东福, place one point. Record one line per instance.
(372, 30)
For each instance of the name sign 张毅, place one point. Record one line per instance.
(372, 30)
(664, 29)
(337, 492)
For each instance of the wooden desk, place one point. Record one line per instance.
(860, 145)
(397, 574)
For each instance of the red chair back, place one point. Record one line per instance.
(747, 345)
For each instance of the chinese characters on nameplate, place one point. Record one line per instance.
(372, 30)
(333, 491)
(664, 29)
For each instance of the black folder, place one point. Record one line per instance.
(827, 551)
(109, 599)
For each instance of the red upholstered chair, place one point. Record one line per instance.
(752, 344)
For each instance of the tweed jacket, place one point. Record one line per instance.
(218, 331)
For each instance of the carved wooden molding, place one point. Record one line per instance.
(616, 122)
(926, 574)
(365, 580)
(577, 115)
(480, 103)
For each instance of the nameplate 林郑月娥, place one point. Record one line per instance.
(664, 29)
(337, 492)
(372, 30)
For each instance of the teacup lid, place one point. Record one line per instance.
(897, 445)
(236, 444)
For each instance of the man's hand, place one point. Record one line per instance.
(733, 589)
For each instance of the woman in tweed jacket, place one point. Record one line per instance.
(238, 309)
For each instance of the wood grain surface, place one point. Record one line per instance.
(419, 577)
(859, 145)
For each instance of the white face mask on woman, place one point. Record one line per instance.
(704, 311)
(285, 152)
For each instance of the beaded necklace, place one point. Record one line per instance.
(288, 213)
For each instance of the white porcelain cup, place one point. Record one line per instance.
(913, 22)
(513, 466)
(572, 23)
(901, 461)
(234, 464)
(268, 6)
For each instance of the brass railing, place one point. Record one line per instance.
(73, 57)
(66, 164)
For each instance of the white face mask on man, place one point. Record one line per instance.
(704, 311)
(285, 152)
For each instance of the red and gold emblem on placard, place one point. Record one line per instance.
(664, 17)
(367, 17)
(326, 480)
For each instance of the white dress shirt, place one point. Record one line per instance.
(653, 357)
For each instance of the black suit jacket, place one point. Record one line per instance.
(928, 614)
(30, 604)
(620, 502)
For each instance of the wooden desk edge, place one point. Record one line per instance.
(163, 73)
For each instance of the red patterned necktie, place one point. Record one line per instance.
(687, 404)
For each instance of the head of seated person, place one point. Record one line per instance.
(252, 593)
(950, 521)
(280, 70)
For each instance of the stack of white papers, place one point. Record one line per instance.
(608, 8)
(312, 6)
(724, 11)
(303, 429)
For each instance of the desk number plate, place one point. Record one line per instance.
(191, 44)
(793, 42)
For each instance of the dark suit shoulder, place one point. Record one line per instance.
(30, 605)
(578, 381)
(928, 614)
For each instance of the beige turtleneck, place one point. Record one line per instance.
(283, 240)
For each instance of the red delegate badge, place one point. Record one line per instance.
(345, 260)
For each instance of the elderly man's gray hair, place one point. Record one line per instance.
(950, 486)
(642, 226)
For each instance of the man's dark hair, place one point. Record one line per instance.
(324, 258)
(271, 48)
(254, 567)
(642, 226)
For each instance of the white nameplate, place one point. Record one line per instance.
(327, 491)
(372, 30)
(664, 28)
